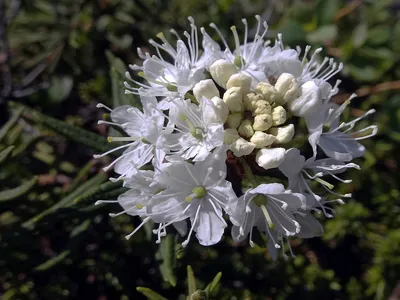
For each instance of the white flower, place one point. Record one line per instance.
(165, 78)
(300, 172)
(197, 192)
(248, 57)
(269, 207)
(338, 141)
(145, 130)
(195, 137)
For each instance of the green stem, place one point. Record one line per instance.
(248, 172)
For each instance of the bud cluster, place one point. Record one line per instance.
(257, 119)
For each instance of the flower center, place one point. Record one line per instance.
(196, 132)
(198, 192)
(261, 201)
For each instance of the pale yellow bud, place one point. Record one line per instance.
(241, 147)
(288, 87)
(239, 80)
(261, 107)
(230, 135)
(221, 70)
(262, 139)
(246, 128)
(283, 134)
(234, 120)
(278, 116)
(250, 100)
(262, 122)
(269, 158)
(308, 100)
(221, 108)
(205, 88)
(268, 92)
(233, 97)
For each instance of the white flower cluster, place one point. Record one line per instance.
(201, 106)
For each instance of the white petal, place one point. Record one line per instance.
(310, 227)
(270, 188)
(210, 226)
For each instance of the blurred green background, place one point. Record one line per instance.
(59, 58)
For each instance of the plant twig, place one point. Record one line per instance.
(347, 9)
(370, 90)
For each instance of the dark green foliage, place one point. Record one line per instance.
(56, 244)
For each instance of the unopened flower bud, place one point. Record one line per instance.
(288, 87)
(307, 101)
(262, 139)
(233, 97)
(234, 120)
(221, 70)
(283, 134)
(278, 116)
(246, 128)
(239, 80)
(241, 147)
(268, 92)
(250, 100)
(221, 108)
(262, 122)
(230, 135)
(261, 107)
(269, 158)
(205, 88)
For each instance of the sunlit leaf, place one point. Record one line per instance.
(212, 287)
(191, 280)
(167, 255)
(150, 294)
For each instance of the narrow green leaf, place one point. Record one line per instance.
(150, 294)
(117, 72)
(6, 153)
(80, 228)
(52, 261)
(212, 287)
(82, 136)
(10, 123)
(82, 174)
(83, 190)
(97, 191)
(191, 280)
(167, 253)
(18, 191)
